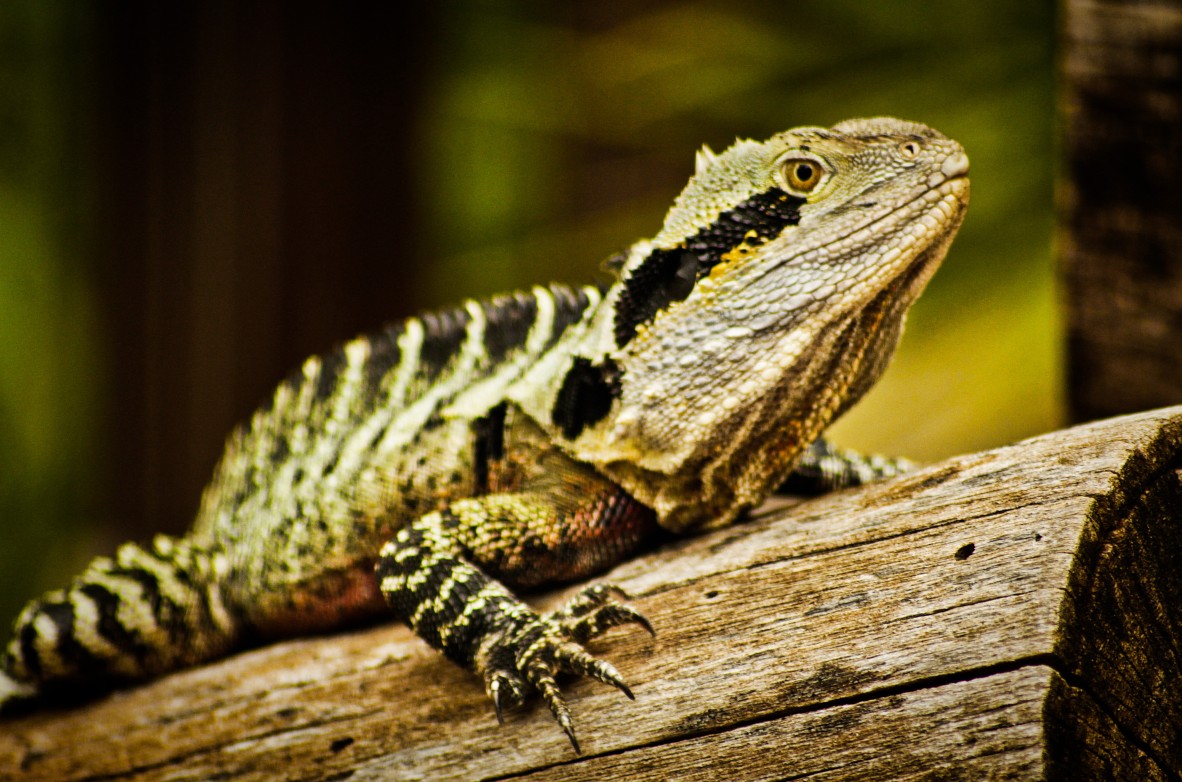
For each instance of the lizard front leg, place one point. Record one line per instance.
(441, 575)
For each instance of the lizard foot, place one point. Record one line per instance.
(535, 649)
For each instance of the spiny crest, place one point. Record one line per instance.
(720, 181)
(704, 159)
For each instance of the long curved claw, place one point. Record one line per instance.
(498, 695)
(590, 614)
(607, 673)
(505, 688)
(629, 615)
(553, 697)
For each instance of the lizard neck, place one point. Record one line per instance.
(759, 416)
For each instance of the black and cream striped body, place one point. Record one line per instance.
(363, 441)
(352, 447)
(436, 467)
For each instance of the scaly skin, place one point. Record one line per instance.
(430, 470)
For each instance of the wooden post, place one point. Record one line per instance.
(1014, 613)
(1121, 205)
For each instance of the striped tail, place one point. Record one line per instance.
(143, 612)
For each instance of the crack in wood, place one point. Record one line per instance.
(867, 696)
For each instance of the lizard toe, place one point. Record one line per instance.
(573, 658)
(595, 610)
(505, 688)
(541, 676)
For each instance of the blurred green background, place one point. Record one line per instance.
(194, 197)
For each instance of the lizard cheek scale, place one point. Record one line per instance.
(430, 471)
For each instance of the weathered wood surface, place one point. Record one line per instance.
(1010, 614)
(1121, 204)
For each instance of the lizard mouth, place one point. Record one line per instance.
(947, 201)
(948, 198)
(952, 203)
(907, 265)
(906, 287)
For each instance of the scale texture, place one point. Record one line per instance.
(430, 471)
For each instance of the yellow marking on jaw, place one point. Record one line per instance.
(751, 241)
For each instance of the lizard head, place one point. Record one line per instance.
(771, 300)
(812, 222)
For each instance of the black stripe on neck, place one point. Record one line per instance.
(586, 395)
(669, 275)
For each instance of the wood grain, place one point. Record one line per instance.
(1010, 614)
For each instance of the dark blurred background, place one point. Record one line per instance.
(196, 196)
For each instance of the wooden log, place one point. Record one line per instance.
(1015, 613)
(1120, 205)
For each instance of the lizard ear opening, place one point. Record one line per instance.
(614, 264)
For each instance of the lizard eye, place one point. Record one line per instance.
(802, 175)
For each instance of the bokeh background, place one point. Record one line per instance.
(195, 196)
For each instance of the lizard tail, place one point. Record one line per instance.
(147, 610)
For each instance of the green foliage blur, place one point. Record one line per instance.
(51, 373)
(554, 135)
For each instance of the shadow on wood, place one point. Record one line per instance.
(1016, 612)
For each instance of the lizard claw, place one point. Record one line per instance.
(545, 683)
(535, 649)
(595, 610)
(607, 673)
(504, 689)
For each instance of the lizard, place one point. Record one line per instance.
(434, 470)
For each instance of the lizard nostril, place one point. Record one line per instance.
(956, 164)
